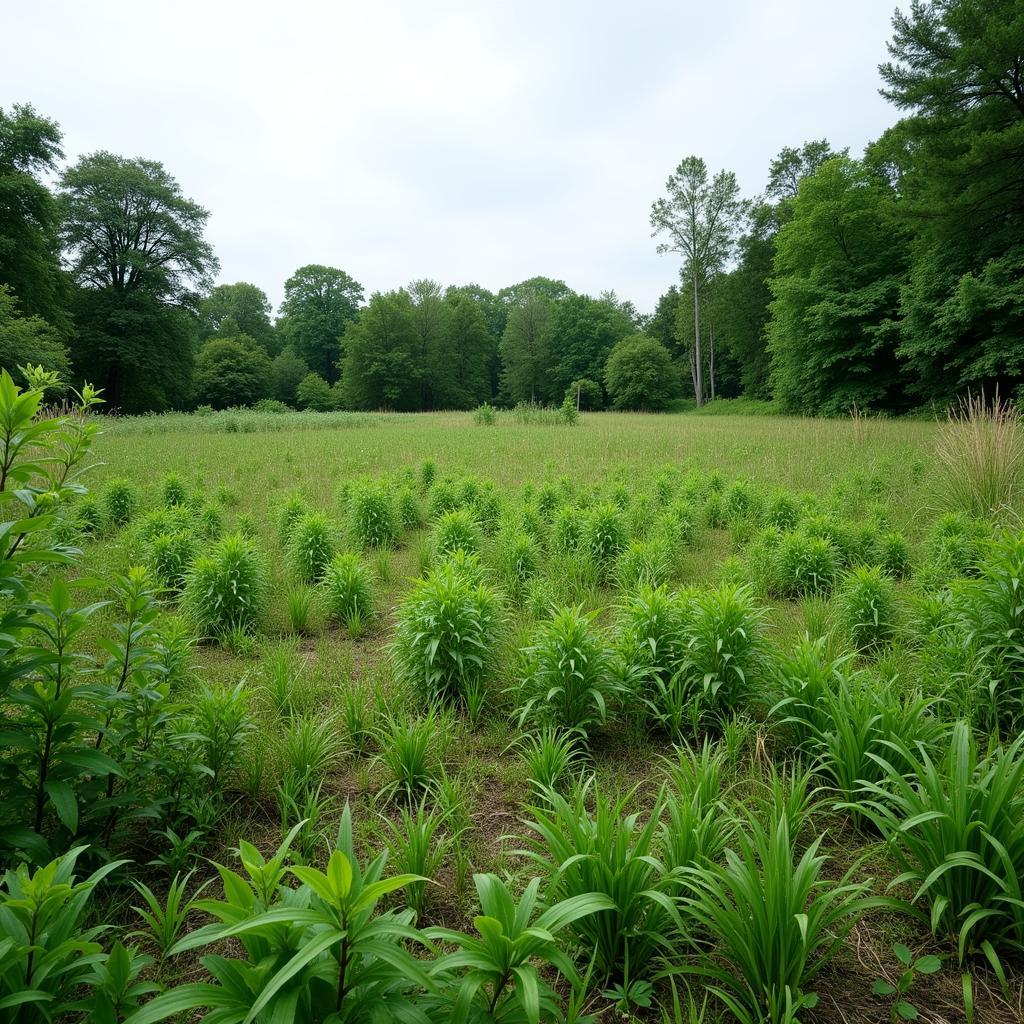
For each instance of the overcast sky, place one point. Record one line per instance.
(481, 141)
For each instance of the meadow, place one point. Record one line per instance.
(413, 717)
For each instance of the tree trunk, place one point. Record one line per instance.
(693, 373)
(698, 378)
(711, 358)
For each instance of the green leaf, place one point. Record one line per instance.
(883, 988)
(903, 954)
(64, 803)
(906, 1011)
(928, 964)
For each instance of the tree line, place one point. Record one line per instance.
(886, 281)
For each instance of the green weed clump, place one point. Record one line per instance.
(454, 531)
(120, 502)
(373, 515)
(956, 828)
(169, 556)
(349, 590)
(868, 599)
(774, 917)
(519, 561)
(311, 546)
(226, 589)
(804, 564)
(569, 675)
(645, 563)
(294, 508)
(173, 491)
(447, 636)
(603, 534)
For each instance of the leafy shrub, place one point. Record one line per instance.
(804, 565)
(226, 588)
(956, 829)
(774, 920)
(455, 530)
(373, 515)
(349, 589)
(120, 502)
(352, 958)
(52, 963)
(311, 546)
(447, 633)
(868, 599)
(569, 673)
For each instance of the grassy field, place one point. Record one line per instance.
(866, 481)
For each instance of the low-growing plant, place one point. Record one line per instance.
(169, 556)
(569, 674)
(868, 599)
(299, 603)
(411, 751)
(308, 750)
(173, 491)
(373, 515)
(773, 918)
(519, 561)
(165, 919)
(417, 845)
(447, 632)
(611, 852)
(221, 724)
(894, 554)
(484, 415)
(349, 590)
(311, 546)
(911, 968)
(955, 827)
(551, 758)
(695, 826)
(226, 588)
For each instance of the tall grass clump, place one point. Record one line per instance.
(724, 649)
(294, 508)
(603, 534)
(956, 829)
(868, 600)
(173, 491)
(609, 851)
(569, 675)
(980, 454)
(311, 546)
(994, 613)
(120, 502)
(447, 636)
(519, 561)
(455, 530)
(803, 565)
(373, 515)
(550, 756)
(349, 590)
(645, 562)
(696, 825)
(411, 752)
(226, 589)
(169, 556)
(773, 917)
